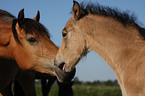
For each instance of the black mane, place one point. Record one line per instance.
(123, 17)
(31, 26)
(98, 9)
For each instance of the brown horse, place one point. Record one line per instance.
(8, 70)
(113, 35)
(24, 85)
(26, 79)
(27, 42)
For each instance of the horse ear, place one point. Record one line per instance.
(76, 11)
(37, 17)
(21, 18)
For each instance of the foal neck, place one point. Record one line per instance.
(111, 39)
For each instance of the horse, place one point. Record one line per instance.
(65, 89)
(114, 35)
(26, 79)
(26, 42)
(8, 70)
(24, 85)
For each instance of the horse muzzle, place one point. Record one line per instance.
(63, 76)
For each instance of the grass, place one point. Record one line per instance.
(85, 90)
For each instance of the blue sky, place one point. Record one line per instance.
(55, 13)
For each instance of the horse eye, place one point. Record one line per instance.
(31, 40)
(64, 34)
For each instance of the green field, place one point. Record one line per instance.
(85, 90)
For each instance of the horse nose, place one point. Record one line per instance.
(62, 66)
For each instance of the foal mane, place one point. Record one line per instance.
(123, 17)
(97, 9)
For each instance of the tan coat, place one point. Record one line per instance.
(121, 46)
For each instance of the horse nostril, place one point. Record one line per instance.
(61, 66)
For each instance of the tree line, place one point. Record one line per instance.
(97, 82)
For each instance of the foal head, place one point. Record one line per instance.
(33, 49)
(74, 45)
(86, 30)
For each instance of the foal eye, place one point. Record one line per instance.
(64, 34)
(31, 40)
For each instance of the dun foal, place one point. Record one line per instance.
(115, 36)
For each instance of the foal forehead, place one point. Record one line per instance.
(68, 23)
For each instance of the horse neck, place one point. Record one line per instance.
(112, 40)
(6, 38)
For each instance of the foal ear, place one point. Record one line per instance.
(76, 11)
(37, 17)
(21, 18)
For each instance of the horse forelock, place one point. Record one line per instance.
(31, 26)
